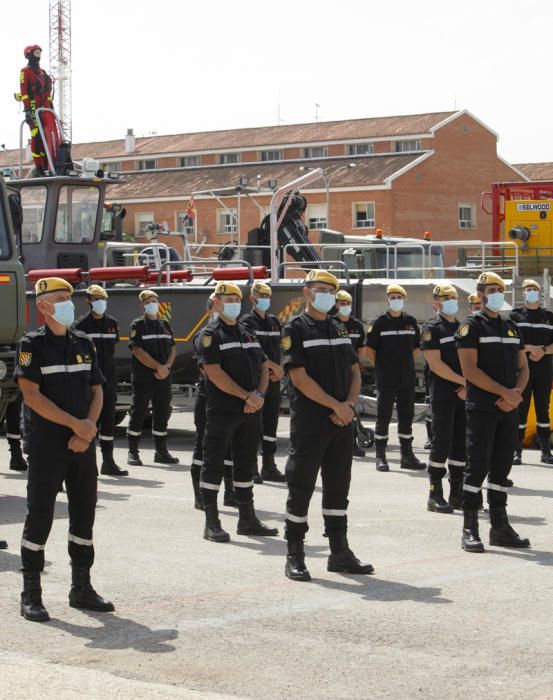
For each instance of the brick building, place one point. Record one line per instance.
(403, 174)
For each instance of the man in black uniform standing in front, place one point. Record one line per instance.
(237, 377)
(61, 382)
(356, 333)
(495, 367)
(153, 352)
(392, 343)
(104, 331)
(267, 329)
(536, 327)
(447, 401)
(325, 380)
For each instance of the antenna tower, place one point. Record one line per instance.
(60, 60)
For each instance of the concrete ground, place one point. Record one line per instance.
(196, 619)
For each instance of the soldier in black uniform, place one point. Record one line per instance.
(495, 367)
(229, 498)
(475, 304)
(447, 400)
(104, 332)
(13, 435)
(536, 327)
(267, 329)
(153, 353)
(325, 380)
(392, 342)
(61, 383)
(356, 332)
(237, 377)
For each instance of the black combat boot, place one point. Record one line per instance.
(270, 471)
(3, 544)
(295, 568)
(408, 458)
(229, 497)
(436, 502)
(213, 530)
(517, 457)
(381, 463)
(544, 441)
(455, 490)
(31, 598)
(109, 467)
(249, 523)
(257, 478)
(82, 595)
(134, 456)
(17, 461)
(501, 532)
(342, 559)
(198, 500)
(162, 455)
(470, 540)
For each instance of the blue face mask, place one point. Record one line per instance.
(450, 307)
(324, 301)
(99, 306)
(495, 301)
(344, 310)
(532, 296)
(64, 313)
(152, 308)
(263, 304)
(396, 304)
(232, 309)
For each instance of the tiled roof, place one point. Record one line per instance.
(316, 132)
(536, 171)
(369, 170)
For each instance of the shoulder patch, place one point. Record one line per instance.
(286, 343)
(463, 329)
(206, 341)
(369, 327)
(132, 332)
(426, 336)
(25, 358)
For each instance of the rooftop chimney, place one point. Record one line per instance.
(130, 142)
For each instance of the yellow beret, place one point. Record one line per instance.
(261, 288)
(531, 283)
(342, 295)
(491, 278)
(52, 284)
(396, 289)
(322, 276)
(227, 288)
(445, 290)
(96, 291)
(474, 299)
(147, 294)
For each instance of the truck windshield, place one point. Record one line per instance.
(5, 249)
(77, 213)
(409, 262)
(33, 203)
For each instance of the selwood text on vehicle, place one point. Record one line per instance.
(60, 235)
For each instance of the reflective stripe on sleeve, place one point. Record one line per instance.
(447, 339)
(524, 324)
(228, 462)
(326, 341)
(157, 335)
(268, 333)
(102, 335)
(498, 339)
(229, 346)
(57, 369)
(398, 332)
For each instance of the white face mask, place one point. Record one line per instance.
(99, 306)
(151, 308)
(396, 304)
(450, 307)
(344, 310)
(532, 296)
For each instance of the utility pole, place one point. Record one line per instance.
(60, 60)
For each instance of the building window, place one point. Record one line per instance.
(142, 221)
(184, 223)
(150, 164)
(114, 167)
(315, 152)
(408, 146)
(316, 216)
(467, 216)
(271, 155)
(229, 158)
(363, 215)
(361, 149)
(226, 221)
(189, 161)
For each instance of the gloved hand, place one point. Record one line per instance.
(29, 117)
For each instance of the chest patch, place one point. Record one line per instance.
(25, 358)
(79, 359)
(132, 333)
(206, 341)
(286, 343)
(511, 334)
(426, 336)
(464, 330)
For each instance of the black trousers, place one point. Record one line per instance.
(491, 439)
(270, 414)
(403, 397)
(13, 419)
(106, 422)
(240, 432)
(198, 454)
(159, 393)
(448, 438)
(45, 477)
(331, 452)
(539, 386)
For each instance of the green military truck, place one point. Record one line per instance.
(12, 293)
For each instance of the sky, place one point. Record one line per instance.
(174, 67)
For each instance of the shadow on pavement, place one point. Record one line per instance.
(370, 588)
(119, 633)
(535, 556)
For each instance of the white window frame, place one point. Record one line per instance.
(228, 228)
(140, 218)
(408, 146)
(113, 167)
(463, 223)
(308, 152)
(316, 216)
(271, 151)
(371, 223)
(183, 159)
(223, 158)
(141, 164)
(353, 149)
